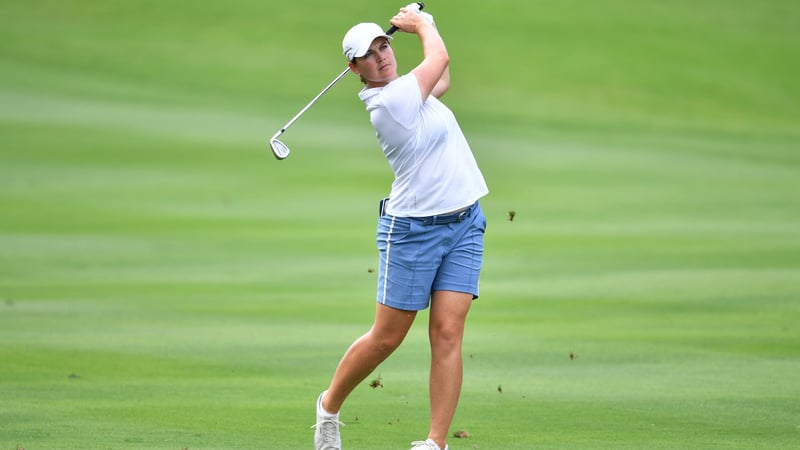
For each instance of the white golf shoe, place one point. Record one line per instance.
(427, 444)
(326, 434)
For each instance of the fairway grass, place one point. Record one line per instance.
(165, 283)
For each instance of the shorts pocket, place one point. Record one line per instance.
(393, 230)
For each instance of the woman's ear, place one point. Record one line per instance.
(353, 67)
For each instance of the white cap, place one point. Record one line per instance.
(357, 41)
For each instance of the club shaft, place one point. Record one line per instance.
(314, 100)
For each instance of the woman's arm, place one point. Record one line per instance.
(443, 85)
(432, 73)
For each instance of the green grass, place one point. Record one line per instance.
(166, 284)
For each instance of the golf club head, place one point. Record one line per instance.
(279, 149)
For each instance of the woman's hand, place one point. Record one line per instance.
(410, 20)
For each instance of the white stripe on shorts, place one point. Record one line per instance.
(386, 265)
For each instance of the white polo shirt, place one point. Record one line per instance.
(434, 169)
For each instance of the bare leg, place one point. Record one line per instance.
(446, 330)
(367, 352)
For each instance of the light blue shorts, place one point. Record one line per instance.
(426, 254)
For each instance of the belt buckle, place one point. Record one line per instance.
(382, 206)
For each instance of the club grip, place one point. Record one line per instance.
(393, 28)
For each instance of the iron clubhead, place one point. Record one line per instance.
(279, 149)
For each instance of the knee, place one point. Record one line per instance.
(446, 334)
(385, 345)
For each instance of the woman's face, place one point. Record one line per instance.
(378, 66)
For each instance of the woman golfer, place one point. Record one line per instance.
(430, 233)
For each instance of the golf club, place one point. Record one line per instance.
(279, 149)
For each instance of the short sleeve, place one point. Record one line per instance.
(402, 100)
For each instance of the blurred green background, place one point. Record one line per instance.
(166, 283)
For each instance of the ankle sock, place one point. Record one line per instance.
(322, 409)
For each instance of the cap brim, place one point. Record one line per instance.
(361, 51)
